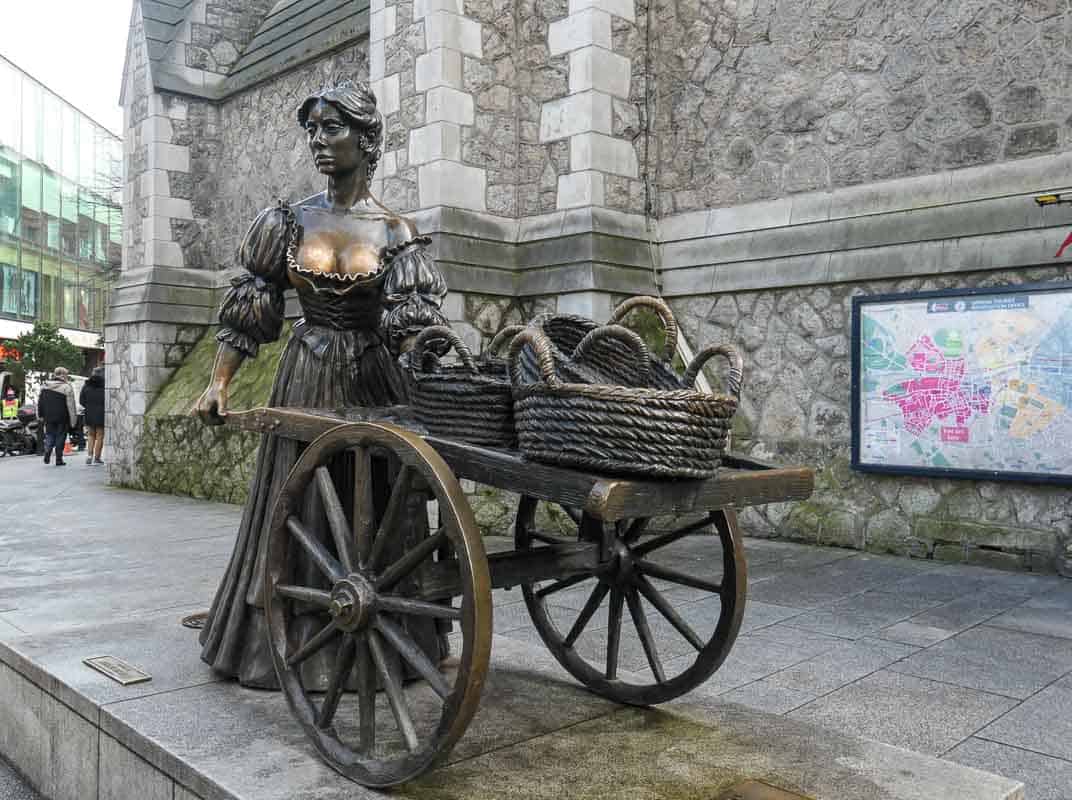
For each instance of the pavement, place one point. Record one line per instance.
(963, 663)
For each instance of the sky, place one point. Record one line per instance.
(75, 47)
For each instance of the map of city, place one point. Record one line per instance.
(977, 383)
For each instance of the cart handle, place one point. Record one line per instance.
(735, 376)
(622, 334)
(659, 307)
(542, 345)
(443, 332)
(507, 333)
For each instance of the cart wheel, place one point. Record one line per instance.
(697, 606)
(378, 739)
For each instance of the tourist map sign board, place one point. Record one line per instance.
(974, 383)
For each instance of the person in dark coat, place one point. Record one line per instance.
(56, 408)
(92, 400)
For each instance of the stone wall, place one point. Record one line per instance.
(253, 153)
(796, 409)
(762, 98)
(180, 455)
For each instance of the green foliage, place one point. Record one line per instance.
(45, 348)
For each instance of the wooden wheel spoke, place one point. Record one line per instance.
(340, 529)
(413, 655)
(417, 608)
(640, 622)
(674, 576)
(315, 644)
(316, 597)
(366, 696)
(395, 697)
(324, 560)
(589, 610)
(344, 664)
(364, 511)
(662, 605)
(667, 538)
(614, 632)
(410, 561)
(636, 527)
(565, 583)
(392, 516)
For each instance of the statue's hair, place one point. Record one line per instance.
(357, 104)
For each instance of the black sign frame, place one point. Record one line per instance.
(952, 296)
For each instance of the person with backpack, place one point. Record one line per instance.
(92, 400)
(56, 409)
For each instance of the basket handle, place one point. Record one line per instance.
(659, 307)
(443, 332)
(542, 345)
(734, 377)
(620, 332)
(507, 333)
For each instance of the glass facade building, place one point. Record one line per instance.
(60, 209)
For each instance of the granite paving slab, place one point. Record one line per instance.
(839, 666)
(996, 660)
(862, 614)
(691, 751)
(1042, 723)
(909, 632)
(220, 734)
(160, 646)
(969, 610)
(828, 583)
(1044, 777)
(757, 655)
(1049, 614)
(902, 710)
(13, 786)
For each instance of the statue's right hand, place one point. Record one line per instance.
(212, 405)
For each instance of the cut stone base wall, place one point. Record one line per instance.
(796, 408)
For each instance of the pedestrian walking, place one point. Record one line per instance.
(56, 409)
(92, 400)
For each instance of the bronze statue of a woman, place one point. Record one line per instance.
(366, 286)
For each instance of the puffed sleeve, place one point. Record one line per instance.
(413, 290)
(251, 313)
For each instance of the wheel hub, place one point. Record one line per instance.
(353, 603)
(620, 566)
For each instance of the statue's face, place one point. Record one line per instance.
(333, 142)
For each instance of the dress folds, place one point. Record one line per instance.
(342, 353)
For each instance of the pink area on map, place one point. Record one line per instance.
(957, 434)
(942, 394)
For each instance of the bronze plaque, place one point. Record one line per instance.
(758, 790)
(117, 669)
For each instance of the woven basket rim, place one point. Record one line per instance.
(623, 394)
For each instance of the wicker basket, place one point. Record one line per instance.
(661, 374)
(619, 429)
(617, 364)
(470, 401)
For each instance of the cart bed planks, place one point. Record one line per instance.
(741, 481)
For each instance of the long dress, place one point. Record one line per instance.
(343, 352)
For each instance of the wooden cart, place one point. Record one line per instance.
(368, 597)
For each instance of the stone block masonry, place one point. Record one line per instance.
(775, 98)
(416, 55)
(599, 79)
